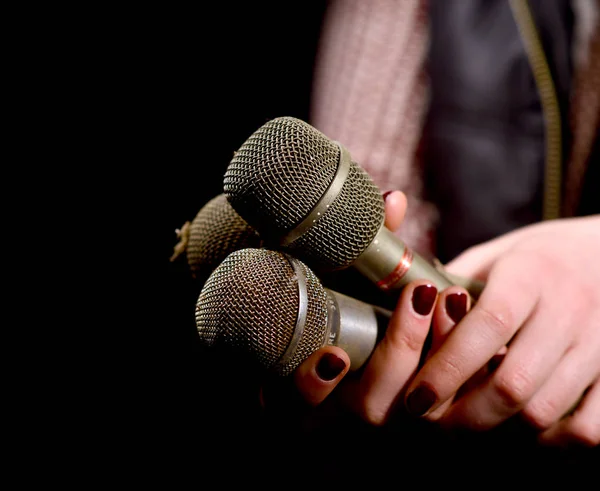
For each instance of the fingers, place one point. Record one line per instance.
(562, 391)
(396, 357)
(452, 305)
(395, 209)
(320, 373)
(507, 301)
(532, 358)
(476, 261)
(373, 392)
(580, 428)
(310, 383)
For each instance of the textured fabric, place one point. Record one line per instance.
(486, 135)
(584, 119)
(370, 93)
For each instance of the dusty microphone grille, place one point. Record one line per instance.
(356, 216)
(216, 231)
(279, 174)
(250, 303)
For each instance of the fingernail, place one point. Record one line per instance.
(423, 298)
(386, 194)
(456, 306)
(420, 400)
(330, 366)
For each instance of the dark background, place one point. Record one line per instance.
(219, 77)
(191, 85)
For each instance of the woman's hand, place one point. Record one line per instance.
(377, 391)
(538, 317)
(542, 301)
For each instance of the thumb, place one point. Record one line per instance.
(476, 261)
(309, 385)
(395, 209)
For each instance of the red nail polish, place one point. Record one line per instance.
(330, 366)
(456, 306)
(386, 194)
(423, 298)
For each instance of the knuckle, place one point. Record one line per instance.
(451, 368)
(514, 387)
(407, 338)
(499, 320)
(584, 431)
(541, 414)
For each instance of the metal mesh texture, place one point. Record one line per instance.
(280, 173)
(216, 231)
(342, 234)
(250, 303)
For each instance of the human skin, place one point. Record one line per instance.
(538, 320)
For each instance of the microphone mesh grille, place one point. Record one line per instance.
(216, 231)
(250, 303)
(356, 216)
(279, 174)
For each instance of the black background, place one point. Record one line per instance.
(192, 84)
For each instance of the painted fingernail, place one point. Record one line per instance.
(420, 400)
(456, 306)
(330, 366)
(386, 194)
(423, 298)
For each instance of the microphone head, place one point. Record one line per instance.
(281, 172)
(216, 231)
(250, 304)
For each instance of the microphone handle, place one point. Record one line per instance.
(354, 326)
(390, 264)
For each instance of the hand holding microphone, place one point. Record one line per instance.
(292, 185)
(302, 192)
(335, 233)
(272, 306)
(217, 230)
(219, 238)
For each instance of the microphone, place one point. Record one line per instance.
(215, 232)
(303, 193)
(272, 307)
(218, 230)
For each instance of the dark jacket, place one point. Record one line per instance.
(491, 127)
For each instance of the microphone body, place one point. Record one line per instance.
(304, 194)
(357, 327)
(273, 307)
